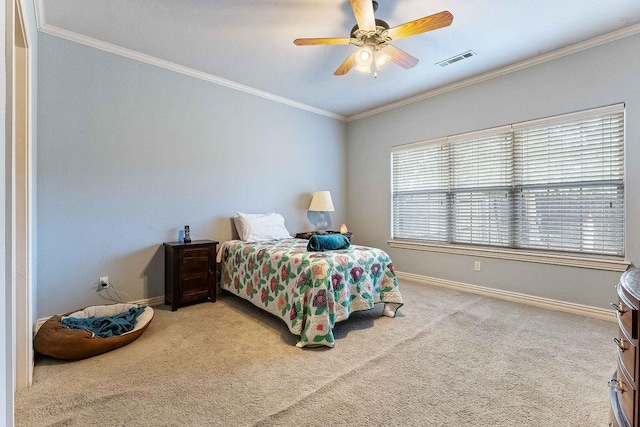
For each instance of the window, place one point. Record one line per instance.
(554, 184)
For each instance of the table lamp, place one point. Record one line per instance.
(321, 202)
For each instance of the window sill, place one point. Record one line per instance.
(598, 263)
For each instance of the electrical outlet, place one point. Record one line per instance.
(104, 282)
(476, 266)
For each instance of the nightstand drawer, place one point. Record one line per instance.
(627, 396)
(626, 313)
(626, 355)
(195, 261)
(195, 253)
(616, 415)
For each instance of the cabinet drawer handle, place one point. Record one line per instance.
(620, 343)
(617, 385)
(618, 307)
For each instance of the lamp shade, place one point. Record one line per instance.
(364, 58)
(380, 58)
(321, 202)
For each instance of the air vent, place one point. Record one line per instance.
(454, 59)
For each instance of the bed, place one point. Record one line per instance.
(309, 291)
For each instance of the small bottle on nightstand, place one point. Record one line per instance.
(187, 235)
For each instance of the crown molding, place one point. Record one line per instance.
(569, 50)
(128, 53)
(152, 60)
(39, 11)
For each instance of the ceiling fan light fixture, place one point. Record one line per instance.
(364, 56)
(364, 69)
(380, 58)
(364, 59)
(371, 35)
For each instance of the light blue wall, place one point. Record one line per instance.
(600, 76)
(129, 153)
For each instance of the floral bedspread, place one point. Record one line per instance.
(310, 291)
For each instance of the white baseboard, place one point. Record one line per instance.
(147, 301)
(150, 301)
(568, 307)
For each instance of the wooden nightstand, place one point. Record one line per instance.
(190, 269)
(307, 234)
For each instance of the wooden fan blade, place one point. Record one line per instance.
(400, 57)
(363, 11)
(347, 65)
(321, 41)
(422, 25)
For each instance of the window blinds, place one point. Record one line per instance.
(421, 192)
(481, 173)
(569, 184)
(551, 184)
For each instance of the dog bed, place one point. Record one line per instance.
(57, 340)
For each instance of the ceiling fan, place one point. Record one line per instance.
(372, 36)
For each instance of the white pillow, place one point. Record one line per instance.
(240, 225)
(258, 227)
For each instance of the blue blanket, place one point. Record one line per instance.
(107, 326)
(327, 242)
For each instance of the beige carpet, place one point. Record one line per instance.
(447, 359)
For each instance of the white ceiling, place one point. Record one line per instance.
(248, 44)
